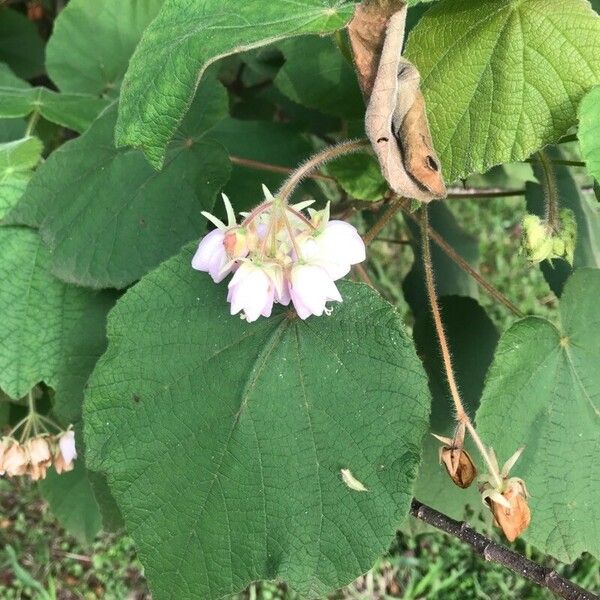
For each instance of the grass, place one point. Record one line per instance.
(39, 561)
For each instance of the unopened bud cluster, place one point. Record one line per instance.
(34, 456)
(277, 254)
(540, 242)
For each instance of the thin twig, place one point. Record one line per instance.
(497, 553)
(394, 206)
(467, 268)
(363, 275)
(561, 162)
(262, 166)
(475, 193)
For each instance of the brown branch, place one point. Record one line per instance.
(262, 166)
(497, 553)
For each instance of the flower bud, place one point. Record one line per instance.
(38, 450)
(236, 243)
(15, 460)
(459, 464)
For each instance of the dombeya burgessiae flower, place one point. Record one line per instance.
(278, 254)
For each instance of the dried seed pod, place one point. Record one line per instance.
(514, 518)
(459, 464)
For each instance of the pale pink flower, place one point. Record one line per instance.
(66, 444)
(251, 290)
(38, 450)
(310, 289)
(15, 460)
(219, 249)
(336, 248)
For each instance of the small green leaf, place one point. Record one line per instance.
(37, 313)
(91, 43)
(218, 434)
(589, 131)
(140, 216)
(178, 46)
(502, 78)
(16, 161)
(21, 46)
(587, 215)
(75, 111)
(542, 392)
(359, 175)
(450, 279)
(472, 339)
(317, 75)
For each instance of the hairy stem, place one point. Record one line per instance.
(394, 206)
(497, 553)
(288, 187)
(461, 415)
(263, 166)
(467, 268)
(548, 182)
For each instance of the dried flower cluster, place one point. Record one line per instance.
(35, 455)
(279, 255)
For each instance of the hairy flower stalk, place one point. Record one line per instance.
(37, 448)
(506, 498)
(278, 254)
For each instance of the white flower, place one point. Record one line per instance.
(310, 288)
(66, 443)
(252, 289)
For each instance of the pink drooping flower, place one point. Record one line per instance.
(252, 290)
(279, 255)
(219, 250)
(311, 288)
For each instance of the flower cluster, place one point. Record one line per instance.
(540, 242)
(277, 254)
(34, 456)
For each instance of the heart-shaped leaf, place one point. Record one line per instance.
(542, 392)
(224, 442)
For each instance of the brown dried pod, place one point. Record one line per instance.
(512, 515)
(459, 464)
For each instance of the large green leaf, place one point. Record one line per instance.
(16, 161)
(178, 46)
(450, 279)
(317, 75)
(589, 131)
(21, 47)
(503, 78)
(587, 215)
(107, 216)
(472, 339)
(542, 392)
(75, 111)
(224, 441)
(37, 313)
(92, 42)
(279, 144)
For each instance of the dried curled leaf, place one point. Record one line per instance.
(396, 122)
(367, 34)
